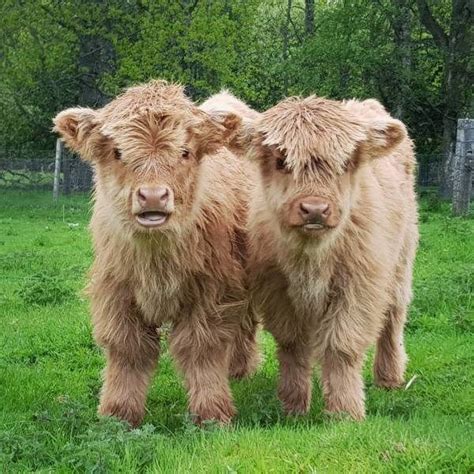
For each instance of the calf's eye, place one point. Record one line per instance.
(280, 165)
(185, 153)
(117, 154)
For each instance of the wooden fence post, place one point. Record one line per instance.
(463, 166)
(57, 167)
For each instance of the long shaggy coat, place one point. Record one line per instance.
(188, 272)
(328, 291)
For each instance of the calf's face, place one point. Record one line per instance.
(309, 152)
(310, 200)
(146, 150)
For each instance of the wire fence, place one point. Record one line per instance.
(35, 170)
(429, 170)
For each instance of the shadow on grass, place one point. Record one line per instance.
(258, 406)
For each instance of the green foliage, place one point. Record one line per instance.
(94, 447)
(43, 288)
(432, 202)
(50, 372)
(54, 54)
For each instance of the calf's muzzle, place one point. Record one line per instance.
(315, 211)
(154, 205)
(312, 213)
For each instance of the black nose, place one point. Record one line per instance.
(317, 213)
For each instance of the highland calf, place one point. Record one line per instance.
(169, 239)
(333, 234)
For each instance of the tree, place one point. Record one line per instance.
(456, 45)
(54, 55)
(309, 27)
(401, 23)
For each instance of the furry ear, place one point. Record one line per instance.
(232, 125)
(217, 131)
(239, 131)
(243, 139)
(383, 135)
(74, 125)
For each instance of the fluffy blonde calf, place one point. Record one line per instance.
(333, 234)
(169, 240)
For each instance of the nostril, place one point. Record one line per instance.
(304, 209)
(326, 210)
(164, 194)
(141, 196)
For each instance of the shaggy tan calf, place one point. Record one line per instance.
(333, 234)
(169, 240)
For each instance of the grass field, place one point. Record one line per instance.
(50, 371)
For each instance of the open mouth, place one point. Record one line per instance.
(311, 227)
(152, 218)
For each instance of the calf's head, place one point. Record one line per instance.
(309, 153)
(146, 147)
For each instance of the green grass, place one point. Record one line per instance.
(50, 371)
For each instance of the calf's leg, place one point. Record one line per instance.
(131, 359)
(390, 356)
(343, 387)
(244, 356)
(204, 360)
(295, 383)
(131, 348)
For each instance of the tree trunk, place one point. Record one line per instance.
(456, 88)
(286, 42)
(96, 57)
(402, 25)
(309, 17)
